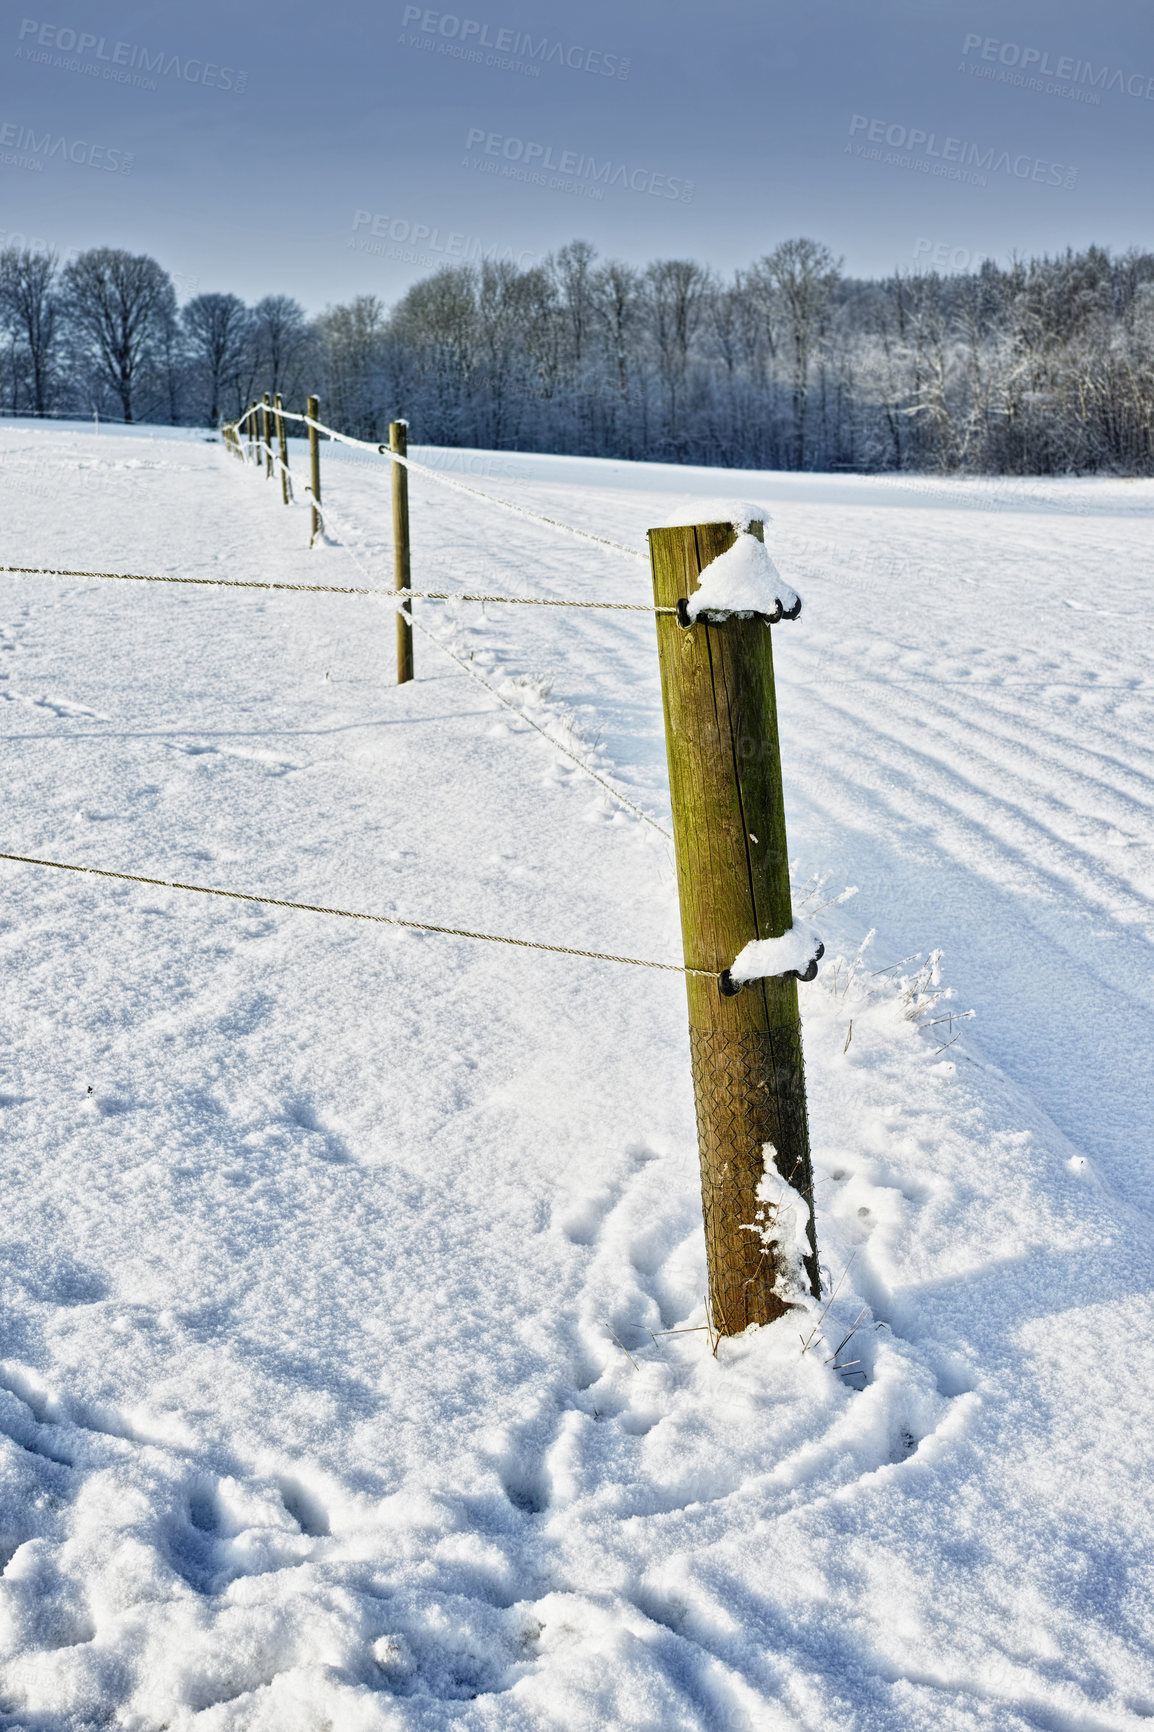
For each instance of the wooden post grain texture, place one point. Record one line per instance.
(266, 441)
(282, 446)
(733, 884)
(314, 414)
(402, 574)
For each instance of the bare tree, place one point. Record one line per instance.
(216, 328)
(617, 302)
(506, 302)
(675, 292)
(30, 308)
(803, 274)
(119, 305)
(572, 272)
(282, 339)
(355, 346)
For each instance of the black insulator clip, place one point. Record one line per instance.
(811, 971)
(773, 618)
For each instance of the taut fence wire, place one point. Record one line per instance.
(398, 597)
(355, 914)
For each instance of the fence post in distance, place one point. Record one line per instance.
(314, 414)
(266, 441)
(402, 574)
(282, 445)
(733, 885)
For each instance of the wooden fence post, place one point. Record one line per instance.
(252, 430)
(314, 414)
(733, 883)
(266, 441)
(282, 445)
(402, 576)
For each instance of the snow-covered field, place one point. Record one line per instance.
(336, 1258)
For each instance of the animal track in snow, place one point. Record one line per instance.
(57, 706)
(305, 1508)
(331, 1146)
(267, 761)
(583, 1220)
(523, 1474)
(221, 1530)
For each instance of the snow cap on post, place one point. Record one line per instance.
(743, 582)
(738, 512)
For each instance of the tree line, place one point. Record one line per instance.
(1040, 366)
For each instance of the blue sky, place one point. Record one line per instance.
(329, 150)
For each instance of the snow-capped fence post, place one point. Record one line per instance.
(733, 883)
(402, 575)
(314, 414)
(266, 441)
(282, 446)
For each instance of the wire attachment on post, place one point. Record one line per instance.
(729, 988)
(719, 618)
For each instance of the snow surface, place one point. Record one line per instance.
(763, 957)
(337, 1259)
(743, 581)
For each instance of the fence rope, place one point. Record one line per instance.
(378, 450)
(354, 914)
(530, 601)
(203, 582)
(334, 588)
